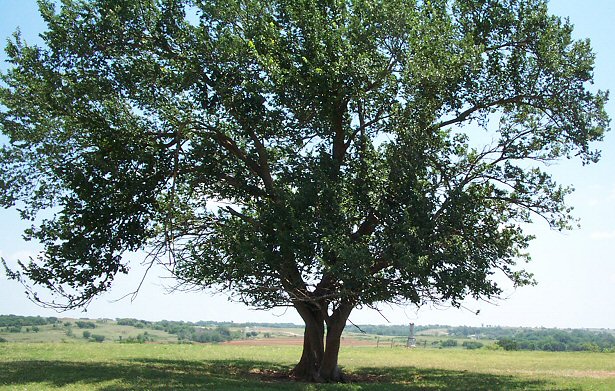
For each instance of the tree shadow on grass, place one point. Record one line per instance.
(412, 378)
(180, 375)
(145, 374)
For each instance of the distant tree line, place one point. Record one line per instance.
(555, 340)
(208, 323)
(133, 322)
(508, 338)
(23, 321)
(85, 325)
(190, 332)
(204, 323)
(559, 341)
(186, 331)
(390, 330)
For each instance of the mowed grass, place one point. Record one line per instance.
(112, 366)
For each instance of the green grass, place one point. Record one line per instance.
(108, 366)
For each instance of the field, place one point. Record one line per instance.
(59, 356)
(155, 366)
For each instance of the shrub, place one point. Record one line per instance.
(141, 338)
(98, 338)
(449, 343)
(472, 345)
(508, 344)
(85, 325)
(87, 334)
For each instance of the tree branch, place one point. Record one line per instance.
(367, 227)
(465, 114)
(242, 216)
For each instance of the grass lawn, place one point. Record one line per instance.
(112, 366)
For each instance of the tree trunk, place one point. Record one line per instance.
(329, 369)
(313, 344)
(319, 362)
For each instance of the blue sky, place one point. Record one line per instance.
(575, 269)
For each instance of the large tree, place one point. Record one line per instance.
(319, 154)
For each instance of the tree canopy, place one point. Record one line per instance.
(320, 154)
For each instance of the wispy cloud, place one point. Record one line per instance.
(602, 235)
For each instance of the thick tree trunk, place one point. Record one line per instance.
(319, 362)
(313, 344)
(329, 369)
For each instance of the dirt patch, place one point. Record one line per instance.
(277, 376)
(570, 373)
(592, 374)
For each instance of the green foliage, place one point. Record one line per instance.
(87, 334)
(559, 340)
(288, 119)
(507, 344)
(472, 344)
(319, 154)
(449, 343)
(98, 338)
(133, 322)
(14, 320)
(140, 338)
(85, 325)
(187, 331)
(393, 330)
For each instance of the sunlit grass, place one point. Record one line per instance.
(111, 366)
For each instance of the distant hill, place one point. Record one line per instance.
(15, 328)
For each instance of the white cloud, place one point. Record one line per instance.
(602, 235)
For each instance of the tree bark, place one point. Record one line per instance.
(313, 344)
(329, 369)
(319, 362)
